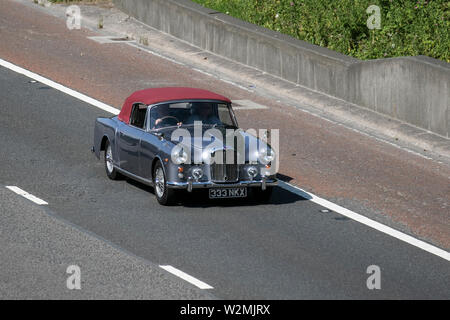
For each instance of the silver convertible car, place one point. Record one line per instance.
(184, 139)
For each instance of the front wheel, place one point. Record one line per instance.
(111, 172)
(164, 195)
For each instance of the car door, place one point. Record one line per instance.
(130, 136)
(150, 145)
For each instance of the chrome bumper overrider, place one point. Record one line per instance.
(190, 184)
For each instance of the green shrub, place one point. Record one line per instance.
(408, 27)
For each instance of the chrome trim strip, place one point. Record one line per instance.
(133, 176)
(189, 185)
(208, 184)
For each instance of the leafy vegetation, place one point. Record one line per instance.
(408, 27)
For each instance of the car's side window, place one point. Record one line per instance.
(138, 115)
(152, 117)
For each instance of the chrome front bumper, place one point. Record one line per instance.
(190, 184)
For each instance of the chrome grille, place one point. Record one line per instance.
(225, 172)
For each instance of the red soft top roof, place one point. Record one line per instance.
(156, 95)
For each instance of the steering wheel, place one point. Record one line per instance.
(167, 119)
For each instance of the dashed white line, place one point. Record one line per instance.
(26, 195)
(366, 221)
(186, 277)
(325, 203)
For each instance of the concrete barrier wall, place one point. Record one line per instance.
(412, 89)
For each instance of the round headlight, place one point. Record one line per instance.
(197, 173)
(180, 157)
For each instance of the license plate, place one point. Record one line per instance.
(216, 193)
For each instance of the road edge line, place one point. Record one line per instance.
(367, 221)
(186, 277)
(59, 87)
(27, 195)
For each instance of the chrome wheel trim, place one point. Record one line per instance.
(109, 160)
(159, 182)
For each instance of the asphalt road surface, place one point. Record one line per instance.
(288, 249)
(38, 249)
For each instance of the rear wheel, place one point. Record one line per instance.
(111, 172)
(164, 195)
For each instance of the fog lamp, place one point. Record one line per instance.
(197, 173)
(252, 172)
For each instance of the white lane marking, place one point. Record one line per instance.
(350, 214)
(186, 277)
(26, 195)
(366, 221)
(247, 105)
(59, 87)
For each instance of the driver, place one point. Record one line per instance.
(164, 117)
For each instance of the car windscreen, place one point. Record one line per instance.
(185, 113)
